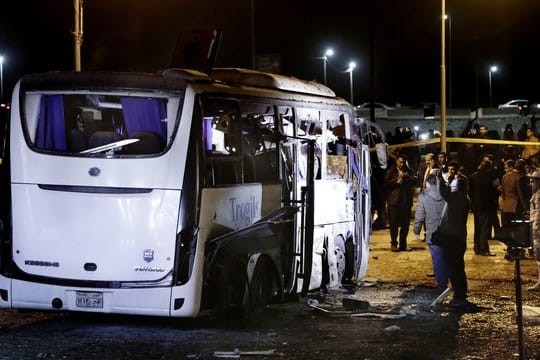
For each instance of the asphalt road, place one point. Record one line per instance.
(398, 323)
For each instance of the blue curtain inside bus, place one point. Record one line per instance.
(145, 115)
(51, 129)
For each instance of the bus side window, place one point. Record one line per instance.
(222, 142)
(224, 159)
(260, 149)
(336, 147)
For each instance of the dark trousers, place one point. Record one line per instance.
(495, 224)
(455, 264)
(482, 231)
(506, 218)
(399, 218)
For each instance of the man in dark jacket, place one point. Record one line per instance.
(454, 228)
(482, 194)
(399, 182)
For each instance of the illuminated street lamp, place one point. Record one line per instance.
(350, 69)
(1, 78)
(327, 53)
(492, 69)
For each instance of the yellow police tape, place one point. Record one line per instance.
(460, 140)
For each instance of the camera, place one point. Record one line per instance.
(516, 235)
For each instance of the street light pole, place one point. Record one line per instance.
(352, 65)
(252, 35)
(1, 78)
(492, 69)
(327, 53)
(78, 32)
(443, 78)
(449, 19)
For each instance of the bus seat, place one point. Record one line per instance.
(76, 141)
(101, 137)
(149, 143)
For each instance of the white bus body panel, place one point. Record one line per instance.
(154, 301)
(127, 236)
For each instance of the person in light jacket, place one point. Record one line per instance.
(429, 209)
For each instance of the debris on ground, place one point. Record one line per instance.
(392, 330)
(531, 315)
(351, 303)
(441, 297)
(237, 353)
(381, 316)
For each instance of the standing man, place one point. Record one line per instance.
(481, 193)
(426, 169)
(399, 182)
(530, 152)
(443, 162)
(454, 227)
(429, 209)
(514, 199)
(534, 213)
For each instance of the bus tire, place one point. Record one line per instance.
(339, 251)
(259, 289)
(232, 283)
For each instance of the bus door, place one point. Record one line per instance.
(300, 168)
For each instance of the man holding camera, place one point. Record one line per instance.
(399, 183)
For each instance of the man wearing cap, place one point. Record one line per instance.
(534, 217)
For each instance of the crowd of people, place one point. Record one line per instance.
(498, 183)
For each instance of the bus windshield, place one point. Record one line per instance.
(99, 123)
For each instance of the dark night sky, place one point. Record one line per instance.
(35, 35)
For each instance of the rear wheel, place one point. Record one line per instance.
(259, 289)
(339, 251)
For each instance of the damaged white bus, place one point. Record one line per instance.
(172, 193)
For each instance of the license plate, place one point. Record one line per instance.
(92, 300)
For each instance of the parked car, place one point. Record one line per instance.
(522, 106)
(376, 105)
(516, 103)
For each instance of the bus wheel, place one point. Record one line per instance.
(259, 288)
(339, 251)
(231, 284)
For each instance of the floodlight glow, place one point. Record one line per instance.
(329, 52)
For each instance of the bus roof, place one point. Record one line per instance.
(170, 79)
(268, 80)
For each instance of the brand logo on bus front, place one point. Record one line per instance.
(148, 255)
(42, 263)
